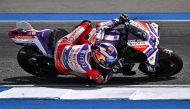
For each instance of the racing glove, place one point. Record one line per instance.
(95, 76)
(108, 76)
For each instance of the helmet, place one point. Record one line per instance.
(123, 18)
(104, 54)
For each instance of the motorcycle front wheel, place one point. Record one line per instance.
(169, 64)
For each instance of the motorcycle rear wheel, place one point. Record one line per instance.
(23, 58)
(169, 65)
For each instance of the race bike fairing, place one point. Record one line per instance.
(143, 46)
(148, 40)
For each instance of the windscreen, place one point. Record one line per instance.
(23, 25)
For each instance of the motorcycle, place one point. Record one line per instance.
(137, 43)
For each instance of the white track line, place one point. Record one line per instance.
(78, 93)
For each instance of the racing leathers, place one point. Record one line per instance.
(74, 53)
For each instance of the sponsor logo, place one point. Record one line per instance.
(136, 24)
(116, 37)
(74, 57)
(84, 51)
(23, 37)
(151, 59)
(152, 50)
(76, 33)
(82, 58)
(155, 25)
(141, 46)
(136, 43)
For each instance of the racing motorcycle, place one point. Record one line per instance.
(137, 44)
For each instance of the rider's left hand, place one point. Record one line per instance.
(108, 76)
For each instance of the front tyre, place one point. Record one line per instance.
(169, 65)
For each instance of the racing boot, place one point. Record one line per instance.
(127, 70)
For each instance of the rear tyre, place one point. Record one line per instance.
(169, 65)
(28, 61)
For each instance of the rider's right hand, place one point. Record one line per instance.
(95, 76)
(99, 79)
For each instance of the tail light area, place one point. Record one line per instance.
(21, 36)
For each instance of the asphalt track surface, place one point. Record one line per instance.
(174, 35)
(93, 6)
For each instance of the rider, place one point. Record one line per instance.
(80, 51)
